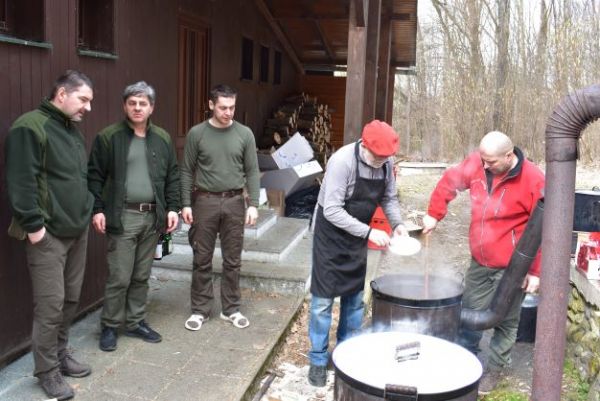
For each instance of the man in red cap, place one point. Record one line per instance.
(358, 177)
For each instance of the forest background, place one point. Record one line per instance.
(503, 65)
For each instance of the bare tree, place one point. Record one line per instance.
(502, 64)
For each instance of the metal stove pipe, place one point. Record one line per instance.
(563, 131)
(510, 283)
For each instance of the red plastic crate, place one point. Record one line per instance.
(380, 222)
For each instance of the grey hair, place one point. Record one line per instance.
(140, 88)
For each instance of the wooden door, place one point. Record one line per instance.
(193, 77)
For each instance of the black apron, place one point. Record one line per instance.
(339, 258)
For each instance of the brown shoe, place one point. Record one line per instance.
(69, 366)
(55, 386)
(489, 380)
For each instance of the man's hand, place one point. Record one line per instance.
(186, 215)
(172, 220)
(379, 237)
(37, 236)
(531, 283)
(99, 223)
(251, 215)
(401, 230)
(429, 224)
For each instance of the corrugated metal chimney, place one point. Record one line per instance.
(563, 131)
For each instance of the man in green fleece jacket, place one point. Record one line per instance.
(134, 178)
(221, 154)
(46, 169)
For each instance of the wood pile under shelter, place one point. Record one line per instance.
(300, 113)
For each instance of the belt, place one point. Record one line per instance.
(224, 194)
(141, 207)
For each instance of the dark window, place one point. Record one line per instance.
(3, 27)
(277, 68)
(23, 19)
(96, 25)
(247, 59)
(264, 64)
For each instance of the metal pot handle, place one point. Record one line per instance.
(398, 392)
(374, 285)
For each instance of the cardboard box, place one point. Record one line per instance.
(588, 255)
(295, 151)
(292, 179)
(276, 201)
(266, 161)
(262, 197)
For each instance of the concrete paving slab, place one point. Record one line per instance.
(218, 362)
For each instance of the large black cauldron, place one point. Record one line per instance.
(369, 368)
(416, 303)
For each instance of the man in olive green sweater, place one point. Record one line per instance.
(46, 168)
(221, 154)
(134, 178)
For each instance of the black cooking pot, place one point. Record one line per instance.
(416, 303)
(399, 366)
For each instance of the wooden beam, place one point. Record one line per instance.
(389, 110)
(385, 47)
(355, 77)
(324, 40)
(401, 16)
(264, 10)
(359, 9)
(371, 59)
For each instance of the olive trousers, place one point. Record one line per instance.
(480, 285)
(56, 267)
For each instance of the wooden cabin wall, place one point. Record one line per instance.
(146, 43)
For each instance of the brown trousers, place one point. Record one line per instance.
(56, 266)
(225, 217)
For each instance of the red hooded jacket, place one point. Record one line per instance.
(499, 214)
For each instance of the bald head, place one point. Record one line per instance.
(495, 143)
(496, 150)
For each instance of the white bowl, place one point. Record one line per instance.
(404, 245)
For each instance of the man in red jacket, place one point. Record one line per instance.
(504, 188)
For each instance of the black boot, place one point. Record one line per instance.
(317, 375)
(145, 332)
(108, 339)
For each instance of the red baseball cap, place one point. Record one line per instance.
(380, 138)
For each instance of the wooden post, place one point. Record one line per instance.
(355, 76)
(383, 76)
(389, 110)
(371, 60)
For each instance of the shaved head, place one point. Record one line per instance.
(497, 153)
(495, 143)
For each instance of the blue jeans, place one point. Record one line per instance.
(351, 314)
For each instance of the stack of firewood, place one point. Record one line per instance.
(300, 113)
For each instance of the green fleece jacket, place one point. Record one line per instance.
(46, 173)
(107, 173)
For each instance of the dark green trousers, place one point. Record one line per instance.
(56, 266)
(480, 285)
(129, 257)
